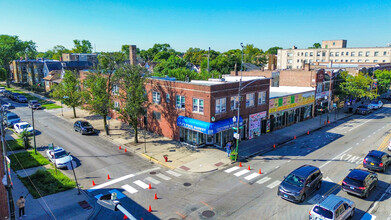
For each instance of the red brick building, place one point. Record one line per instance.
(3, 192)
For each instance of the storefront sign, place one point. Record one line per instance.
(322, 95)
(299, 100)
(255, 124)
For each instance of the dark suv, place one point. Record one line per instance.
(377, 160)
(363, 110)
(84, 127)
(300, 183)
(359, 182)
(34, 104)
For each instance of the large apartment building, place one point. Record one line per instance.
(333, 53)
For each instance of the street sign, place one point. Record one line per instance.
(334, 105)
(236, 135)
(108, 117)
(234, 119)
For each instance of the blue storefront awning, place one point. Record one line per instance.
(207, 127)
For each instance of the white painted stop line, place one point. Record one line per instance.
(231, 169)
(141, 184)
(241, 172)
(273, 184)
(129, 189)
(252, 176)
(152, 180)
(263, 180)
(173, 173)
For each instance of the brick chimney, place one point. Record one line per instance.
(132, 54)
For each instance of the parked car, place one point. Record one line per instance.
(333, 207)
(377, 160)
(389, 146)
(13, 95)
(84, 127)
(300, 183)
(376, 104)
(363, 110)
(6, 93)
(34, 104)
(21, 98)
(11, 119)
(21, 126)
(59, 157)
(8, 106)
(359, 182)
(2, 89)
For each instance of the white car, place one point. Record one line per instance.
(59, 157)
(389, 146)
(21, 126)
(375, 104)
(333, 208)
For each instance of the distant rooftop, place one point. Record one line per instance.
(288, 90)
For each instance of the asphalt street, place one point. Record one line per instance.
(232, 193)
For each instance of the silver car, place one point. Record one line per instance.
(334, 208)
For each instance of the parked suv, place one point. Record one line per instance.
(363, 110)
(2, 89)
(6, 93)
(333, 207)
(34, 104)
(21, 98)
(300, 183)
(359, 182)
(11, 119)
(84, 127)
(377, 160)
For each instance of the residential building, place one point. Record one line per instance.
(333, 53)
(86, 57)
(53, 78)
(4, 213)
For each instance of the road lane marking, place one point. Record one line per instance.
(152, 180)
(141, 184)
(315, 199)
(231, 169)
(111, 182)
(129, 189)
(328, 179)
(252, 176)
(173, 173)
(162, 176)
(241, 172)
(263, 180)
(336, 157)
(273, 184)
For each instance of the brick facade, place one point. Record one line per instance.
(3, 192)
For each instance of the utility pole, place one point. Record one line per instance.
(238, 119)
(32, 116)
(8, 186)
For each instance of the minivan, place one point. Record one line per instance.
(300, 183)
(334, 208)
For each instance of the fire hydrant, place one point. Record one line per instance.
(165, 158)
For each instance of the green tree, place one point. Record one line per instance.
(273, 50)
(358, 86)
(3, 74)
(83, 46)
(149, 55)
(316, 45)
(132, 96)
(68, 91)
(25, 135)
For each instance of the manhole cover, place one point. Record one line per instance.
(187, 184)
(152, 162)
(153, 172)
(208, 214)
(193, 209)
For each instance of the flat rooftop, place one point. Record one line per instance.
(288, 90)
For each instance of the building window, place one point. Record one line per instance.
(290, 61)
(360, 53)
(323, 53)
(333, 43)
(301, 53)
(384, 53)
(250, 100)
(198, 105)
(115, 89)
(331, 54)
(167, 98)
(359, 61)
(310, 61)
(336, 60)
(311, 54)
(376, 53)
(156, 97)
(375, 61)
(220, 105)
(384, 61)
(306, 54)
(367, 54)
(337, 54)
(116, 104)
(342, 53)
(353, 54)
(352, 61)
(346, 61)
(234, 102)
(290, 54)
(156, 115)
(298, 54)
(318, 53)
(323, 60)
(180, 102)
(298, 60)
(317, 60)
(261, 98)
(367, 61)
(347, 53)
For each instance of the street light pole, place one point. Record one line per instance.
(238, 119)
(32, 117)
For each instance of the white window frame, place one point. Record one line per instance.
(262, 98)
(180, 103)
(234, 102)
(115, 89)
(250, 100)
(221, 105)
(198, 105)
(167, 98)
(116, 104)
(156, 98)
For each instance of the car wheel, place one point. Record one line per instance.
(302, 198)
(319, 185)
(352, 213)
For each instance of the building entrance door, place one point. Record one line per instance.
(209, 139)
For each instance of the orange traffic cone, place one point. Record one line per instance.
(93, 183)
(155, 196)
(119, 147)
(149, 209)
(240, 164)
(125, 150)
(108, 176)
(260, 172)
(125, 217)
(149, 187)
(248, 167)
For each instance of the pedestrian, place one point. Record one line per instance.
(228, 148)
(20, 203)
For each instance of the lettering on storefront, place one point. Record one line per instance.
(287, 102)
(255, 124)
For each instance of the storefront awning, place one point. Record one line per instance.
(207, 127)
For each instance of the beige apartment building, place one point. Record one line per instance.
(333, 53)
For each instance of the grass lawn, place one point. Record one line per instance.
(50, 106)
(15, 144)
(26, 160)
(47, 182)
(45, 103)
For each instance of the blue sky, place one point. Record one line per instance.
(221, 25)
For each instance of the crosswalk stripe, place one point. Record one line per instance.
(161, 176)
(173, 173)
(231, 169)
(152, 180)
(129, 189)
(252, 176)
(241, 172)
(273, 184)
(263, 180)
(141, 184)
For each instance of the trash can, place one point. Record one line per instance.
(233, 155)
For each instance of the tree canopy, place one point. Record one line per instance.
(83, 46)
(358, 86)
(11, 48)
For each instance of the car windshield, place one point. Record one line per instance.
(60, 154)
(12, 117)
(84, 123)
(33, 102)
(323, 212)
(25, 126)
(294, 180)
(372, 159)
(354, 182)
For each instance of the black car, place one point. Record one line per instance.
(6, 93)
(377, 160)
(34, 104)
(363, 110)
(300, 183)
(84, 127)
(13, 95)
(359, 182)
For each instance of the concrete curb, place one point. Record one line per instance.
(150, 158)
